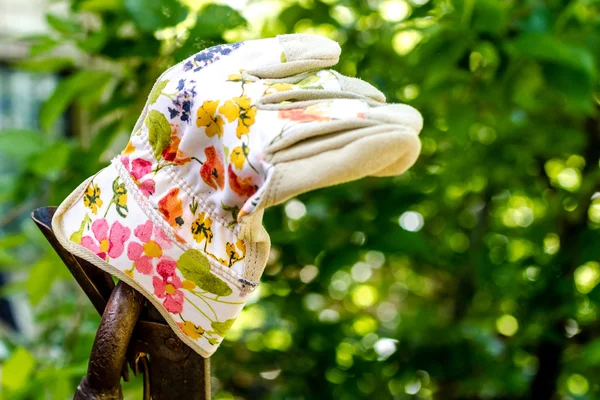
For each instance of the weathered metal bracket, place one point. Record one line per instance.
(131, 330)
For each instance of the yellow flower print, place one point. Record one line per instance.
(122, 200)
(129, 149)
(278, 87)
(191, 330)
(235, 77)
(232, 252)
(152, 249)
(238, 157)
(91, 198)
(240, 108)
(230, 249)
(188, 285)
(242, 246)
(201, 228)
(206, 117)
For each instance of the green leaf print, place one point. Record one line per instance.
(221, 328)
(194, 266)
(159, 132)
(77, 236)
(156, 92)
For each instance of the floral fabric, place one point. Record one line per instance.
(171, 214)
(200, 299)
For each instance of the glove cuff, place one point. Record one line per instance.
(125, 224)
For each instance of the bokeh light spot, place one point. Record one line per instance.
(278, 339)
(587, 276)
(385, 347)
(404, 41)
(551, 243)
(295, 209)
(507, 325)
(411, 221)
(308, 273)
(394, 10)
(361, 272)
(578, 385)
(364, 296)
(569, 179)
(364, 325)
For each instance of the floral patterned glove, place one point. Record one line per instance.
(224, 134)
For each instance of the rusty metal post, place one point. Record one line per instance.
(103, 380)
(131, 330)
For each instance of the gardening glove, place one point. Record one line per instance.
(224, 134)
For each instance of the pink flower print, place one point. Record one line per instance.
(153, 242)
(166, 286)
(107, 241)
(138, 168)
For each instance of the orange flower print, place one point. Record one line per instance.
(191, 330)
(212, 171)
(243, 187)
(171, 207)
(172, 153)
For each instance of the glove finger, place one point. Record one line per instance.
(287, 55)
(324, 84)
(380, 150)
(336, 117)
(359, 87)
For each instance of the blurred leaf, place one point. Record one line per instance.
(214, 19)
(94, 41)
(20, 144)
(490, 16)
(17, 370)
(54, 64)
(543, 47)
(12, 240)
(151, 15)
(118, 48)
(52, 161)
(591, 352)
(66, 92)
(567, 68)
(66, 26)
(41, 277)
(8, 260)
(100, 5)
(40, 44)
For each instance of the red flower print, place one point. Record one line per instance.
(107, 241)
(153, 242)
(138, 168)
(243, 187)
(166, 286)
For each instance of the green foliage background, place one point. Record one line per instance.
(494, 296)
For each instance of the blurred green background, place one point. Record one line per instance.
(475, 275)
